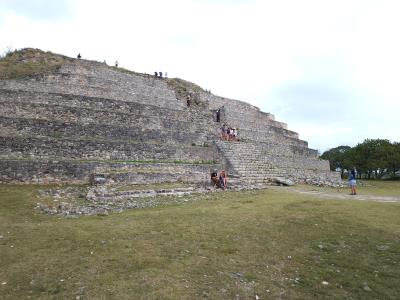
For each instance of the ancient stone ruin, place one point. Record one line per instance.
(80, 121)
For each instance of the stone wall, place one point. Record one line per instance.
(45, 128)
(17, 147)
(91, 79)
(91, 116)
(52, 171)
(16, 99)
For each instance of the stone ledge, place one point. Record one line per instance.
(86, 102)
(151, 120)
(73, 171)
(54, 128)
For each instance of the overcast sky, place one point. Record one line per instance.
(329, 69)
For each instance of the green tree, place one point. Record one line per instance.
(393, 159)
(350, 161)
(336, 157)
(372, 156)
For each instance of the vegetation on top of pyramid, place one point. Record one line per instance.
(29, 62)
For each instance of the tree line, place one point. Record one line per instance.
(373, 158)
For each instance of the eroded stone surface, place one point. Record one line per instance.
(103, 199)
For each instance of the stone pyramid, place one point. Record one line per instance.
(75, 120)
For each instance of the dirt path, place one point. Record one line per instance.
(338, 195)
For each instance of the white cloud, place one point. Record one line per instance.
(39, 9)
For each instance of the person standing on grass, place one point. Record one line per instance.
(353, 182)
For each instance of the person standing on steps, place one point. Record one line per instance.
(228, 134)
(353, 182)
(234, 134)
(219, 115)
(223, 180)
(223, 132)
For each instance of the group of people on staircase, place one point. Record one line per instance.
(219, 180)
(228, 133)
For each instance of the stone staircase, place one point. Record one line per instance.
(252, 162)
(247, 162)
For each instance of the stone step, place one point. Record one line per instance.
(247, 161)
(276, 147)
(249, 167)
(259, 174)
(264, 175)
(145, 116)
(17, 147)
(159, 94)
(80, 171)
(73, 100)
(103, 195)
(38, 127)
(254, 170)
(151, 177)
(256, 180)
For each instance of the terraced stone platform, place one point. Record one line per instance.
(79, 120)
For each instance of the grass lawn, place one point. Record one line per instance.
(233, 245)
